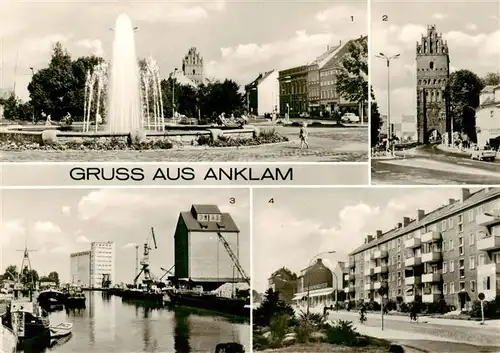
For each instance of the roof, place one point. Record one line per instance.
(227, 224)
(327, 55)
(489, 88)
(208, 209)
(431, 217)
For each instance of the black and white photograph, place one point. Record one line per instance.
(125, 270)
(434, 69)
(184, 81)
(392, 269)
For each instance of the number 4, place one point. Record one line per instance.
(271, 200)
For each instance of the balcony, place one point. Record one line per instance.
(488, 243)
(430, 237)
(433, 256)
(412, 243)
(487, 220)
(432, 277)
(413, 261)
(381, 269)
(431, 298)
(413, 280)
(377, 285)
(380, 254)
(369, 286)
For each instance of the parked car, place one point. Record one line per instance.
(350, 118)
(483, 155)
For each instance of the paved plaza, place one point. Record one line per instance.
(326, 145)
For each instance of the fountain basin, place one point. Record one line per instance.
(16, 139)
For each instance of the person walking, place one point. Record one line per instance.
(303, 136)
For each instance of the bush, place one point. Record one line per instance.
(491, 309)
(373, 306)
(279, 326)
(204, 140)
(342, 333)
(404, 308)
(439, 307)
(303, 331)
(270, 307)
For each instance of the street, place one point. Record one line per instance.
(326, 145)
(428, 165)
(428, 335)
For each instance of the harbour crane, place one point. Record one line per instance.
(166, 272)
(233, 257)
(145, 260)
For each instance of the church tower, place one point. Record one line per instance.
(433, 71)
(192, 66)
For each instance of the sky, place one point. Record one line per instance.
(302, 223)
(471, 28)
(57, 222)
(237, 39)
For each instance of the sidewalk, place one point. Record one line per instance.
(489, 324)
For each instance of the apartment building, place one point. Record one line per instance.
(89, 268)
(450, 253)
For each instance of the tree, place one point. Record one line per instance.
(462, 91)
(491, 79)
(375, 123)
(270, 307)
(11, 273)
(352, 83)
(220, 97)
(29, 277)
(54, 277)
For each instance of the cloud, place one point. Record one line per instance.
(129, 245)
(11, 229)
(66, 210)
(439, 16)
(471, 27)
(82, 239)
(93, 46)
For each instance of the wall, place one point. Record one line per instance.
(80, 270)
(268, 94)
(487, 123)
(208, 258)
(102, 262)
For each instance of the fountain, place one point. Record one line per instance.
(124, 98)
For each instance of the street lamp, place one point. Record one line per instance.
(172, 75)
(388, 61)
(32, 106)
(309, 278)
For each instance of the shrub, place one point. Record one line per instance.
(438, 307)
(303, 331)
(343, 333)
(404, 308)
(204, 140)
(373, 305)
(491, 309)
(270, 307)
(279, 326)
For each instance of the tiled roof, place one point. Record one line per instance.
(208, 209)
(432, 217)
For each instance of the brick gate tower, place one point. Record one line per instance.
(192, 66)
(433, 71)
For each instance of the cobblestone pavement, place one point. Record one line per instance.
(409, 331)
(326, 145)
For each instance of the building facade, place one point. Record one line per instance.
(284, 283)
(262, 94)
(80, 268)
(433, 71)
(200, 255)
(322, 282)
(451, 254)
(293, 91)
(488, 117)
(192, 66)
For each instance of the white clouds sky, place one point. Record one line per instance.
(44, 218)
(288, 33)
(473, 44)
(304, 222)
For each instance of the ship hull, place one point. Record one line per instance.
(235, 307)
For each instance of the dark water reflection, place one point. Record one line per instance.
(110, 325)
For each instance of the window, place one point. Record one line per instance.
(431, 65)
(460, 223)
(481, 261)
(496, 258)
(487, 283)
(445, 267)
(450, 223)
(462, 285)
(451, 244)
(452, 287)
(472, 263)
(461, 263)
(445, 246)
(472, 239)
(472, 286)
(452, 266)
(445, 288)
(461, 245)
(471, 216)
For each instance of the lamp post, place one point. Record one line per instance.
(309, 277)
(33, 107)
(173, 92)
(388, 62)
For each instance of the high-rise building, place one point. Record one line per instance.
(451, 253)
(80, 268)
(192, 66)
(90, 268)
(433, 71)
(201, 257)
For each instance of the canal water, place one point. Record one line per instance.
(110, 325)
